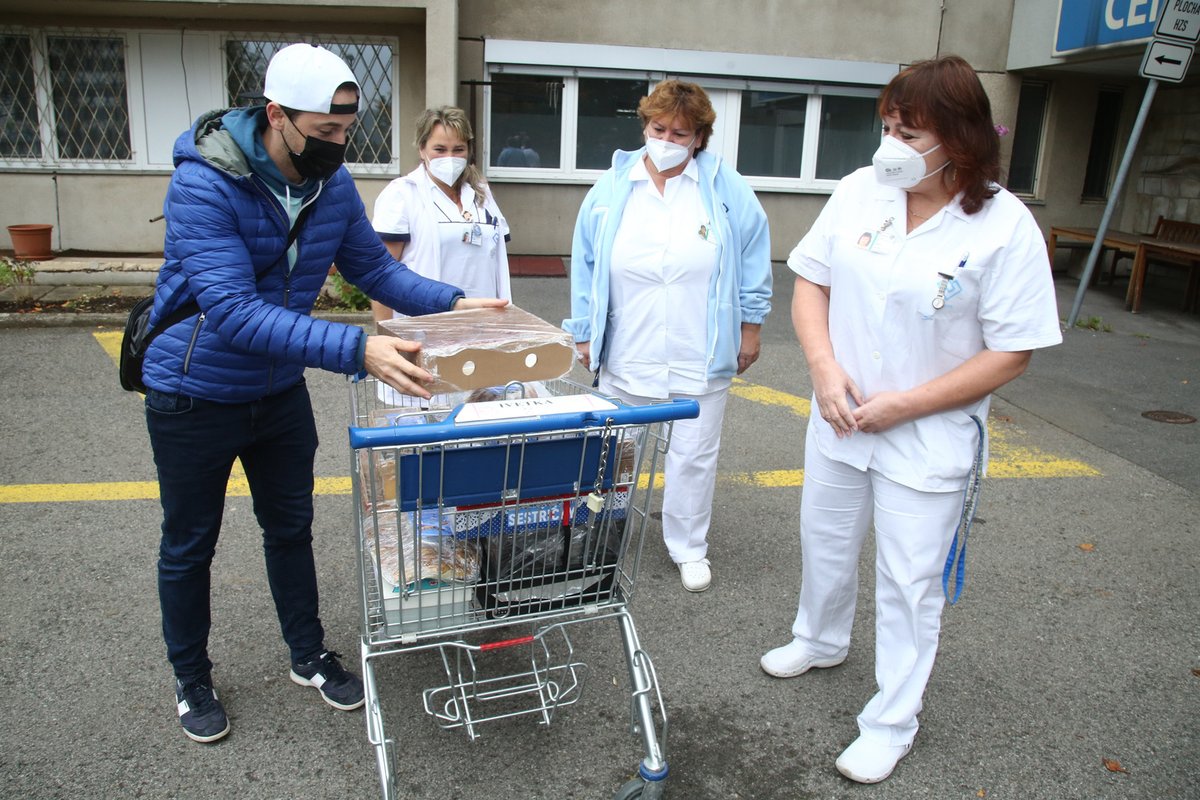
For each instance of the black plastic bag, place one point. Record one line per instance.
(545, 568)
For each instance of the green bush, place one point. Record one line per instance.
(351, 296)
(13, 272)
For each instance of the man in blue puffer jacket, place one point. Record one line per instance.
(228, 382)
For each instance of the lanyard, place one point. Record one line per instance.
(956, 559)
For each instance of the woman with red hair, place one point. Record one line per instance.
(670, 284)
(921, 288)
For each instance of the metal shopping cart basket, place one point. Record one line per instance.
(528, 510)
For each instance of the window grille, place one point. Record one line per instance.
(64, 97)
(91, 104)
(18, 99)
(371, 138)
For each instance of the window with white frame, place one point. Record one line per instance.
(548, 127)
(102, 99)
(561, 124)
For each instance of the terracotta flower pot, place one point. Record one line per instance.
(31, 242)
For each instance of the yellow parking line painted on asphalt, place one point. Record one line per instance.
(767, 479)
(78, 492)
(800, 406)
(1012, 460)
(333, 486)
(111, 342)
(132, 490)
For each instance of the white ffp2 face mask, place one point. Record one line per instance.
(447, 168)
(668, 155)
(896, 164)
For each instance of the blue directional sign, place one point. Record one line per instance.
(1087, 24)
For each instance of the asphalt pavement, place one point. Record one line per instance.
(1070, 668)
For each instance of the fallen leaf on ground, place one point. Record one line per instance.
(1196, 672)
(1112, 765)
(1087, 547)
(1000, 418)
(981, 793)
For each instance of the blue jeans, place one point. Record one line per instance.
(195, 443)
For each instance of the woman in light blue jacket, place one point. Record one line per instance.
(670, 284)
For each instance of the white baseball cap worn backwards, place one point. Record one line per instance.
(305, 77)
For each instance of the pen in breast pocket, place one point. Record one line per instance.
(939, 299)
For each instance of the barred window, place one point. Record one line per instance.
(64, 97)
(91, 104)
(18, 100)
(371, 139)
(100, 99)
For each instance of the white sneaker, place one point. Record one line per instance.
(695, 575)
(870, 761)
(793, 659)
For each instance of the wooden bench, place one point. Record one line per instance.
(1173, 242)
(1122, 244)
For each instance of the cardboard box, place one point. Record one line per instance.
(484, 347)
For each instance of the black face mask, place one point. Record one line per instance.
(319, 159)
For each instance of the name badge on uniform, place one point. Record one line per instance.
(884, 243)
(474, 236)
(881, 240)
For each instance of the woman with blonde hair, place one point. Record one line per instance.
(441, 219)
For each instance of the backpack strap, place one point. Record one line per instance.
(191, 307)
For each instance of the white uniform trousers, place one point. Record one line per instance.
(690, 472)
(913, 530)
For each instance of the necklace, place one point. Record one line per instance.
(912, 213)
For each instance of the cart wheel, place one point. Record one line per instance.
(631, 790)
(639, 789)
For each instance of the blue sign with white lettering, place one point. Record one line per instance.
(1086, 24)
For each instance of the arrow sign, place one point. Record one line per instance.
(1166, 61)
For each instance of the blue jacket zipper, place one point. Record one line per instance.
(187, 359)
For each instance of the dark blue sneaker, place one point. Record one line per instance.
(200, 712)
(339, 688)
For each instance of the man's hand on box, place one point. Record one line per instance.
(463, 303)
(393, 361)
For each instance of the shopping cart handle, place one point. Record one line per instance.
(451, 430)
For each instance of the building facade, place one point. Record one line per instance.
(93, 96)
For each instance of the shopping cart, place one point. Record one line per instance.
(528, 510)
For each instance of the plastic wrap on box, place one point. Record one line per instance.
(483, 347)
(431, 554)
